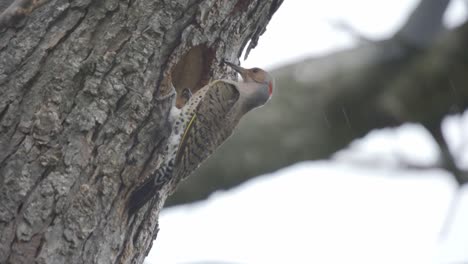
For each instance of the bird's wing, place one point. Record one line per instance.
(207, 129)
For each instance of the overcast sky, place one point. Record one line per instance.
(305, 28)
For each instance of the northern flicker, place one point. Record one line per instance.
(202, 125)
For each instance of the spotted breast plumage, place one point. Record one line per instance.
(203, 124)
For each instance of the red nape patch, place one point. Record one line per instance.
(270, 88)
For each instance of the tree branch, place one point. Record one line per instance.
(424, 23)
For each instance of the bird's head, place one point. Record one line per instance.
(256, 79)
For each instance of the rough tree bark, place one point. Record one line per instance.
(323, 104)
(84, 99)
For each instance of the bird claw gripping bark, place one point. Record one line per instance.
(186, 94)
(205, 121)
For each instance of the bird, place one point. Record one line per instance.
(207, 119)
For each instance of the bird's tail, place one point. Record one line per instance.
(141, 196)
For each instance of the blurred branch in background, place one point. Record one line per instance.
(424, 24)
(322, 104)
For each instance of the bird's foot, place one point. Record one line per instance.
(186, 94)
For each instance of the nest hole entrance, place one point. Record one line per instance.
(192, 71)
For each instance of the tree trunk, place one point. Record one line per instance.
(84, 99)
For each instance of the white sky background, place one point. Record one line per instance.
(360, 207)
(300, 29)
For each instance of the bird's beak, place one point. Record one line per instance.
(239, 69)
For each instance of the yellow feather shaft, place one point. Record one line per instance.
(184, 136)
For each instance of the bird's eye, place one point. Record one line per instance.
(255, 70)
